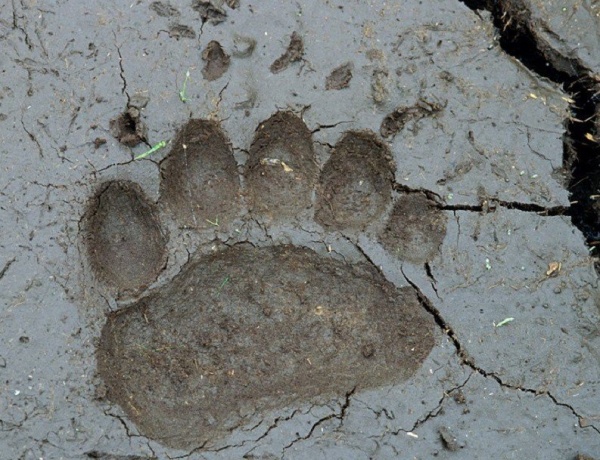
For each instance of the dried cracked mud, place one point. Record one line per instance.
(236, 230)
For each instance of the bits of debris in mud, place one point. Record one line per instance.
(209, 11)
(233, 4)
(379, 85)
(340, 77)
(216, 61)
(415, 230)
(293, 53)
(125, 244)
(248, 330)
(164, 9)
(395, 121)
(178, 31)
(128, 128)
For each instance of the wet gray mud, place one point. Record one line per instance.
(358, 231)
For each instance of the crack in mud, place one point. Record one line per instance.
(518, 39)
(488, 204)
(339, 416)
(33, 138)
(122, 72)
(15, 23)
(468, 361)
(435, 411)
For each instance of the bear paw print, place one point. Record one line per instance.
(252, 328)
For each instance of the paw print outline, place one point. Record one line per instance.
(257, 325)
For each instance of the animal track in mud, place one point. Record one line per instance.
(249, 329)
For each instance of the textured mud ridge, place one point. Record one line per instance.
(121, 226)
(247, 330)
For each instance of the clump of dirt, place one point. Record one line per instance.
(216, 61)
(210, 11)
(178, 31)
(128, 128)
(282, 170)
(293, 53)
(340, 77)
(356, 183)
(199, 179)
(248, 330)
(415, 230)
(125, 243)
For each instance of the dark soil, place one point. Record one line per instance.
(248, 330)
(125, 243)
(199, 179)
(356, 183)
(128, 128)
(281, 170)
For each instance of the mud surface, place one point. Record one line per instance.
(364, 230)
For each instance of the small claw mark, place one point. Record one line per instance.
(6, 267)
(395, 121)
(32, 137)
